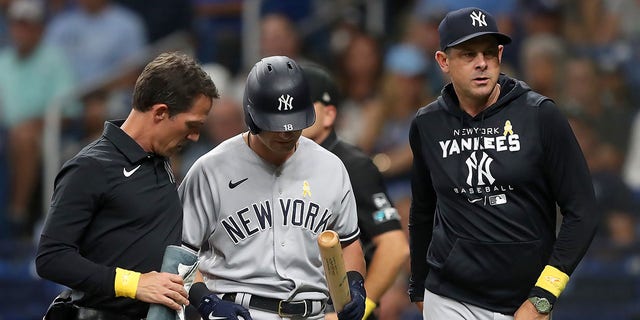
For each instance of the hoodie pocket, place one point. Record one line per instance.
(494, 268)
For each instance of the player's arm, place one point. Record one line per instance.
(210, 306)
(355, 266)
(354, 257)
(352, 253)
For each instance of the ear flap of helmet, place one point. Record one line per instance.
(253, 128)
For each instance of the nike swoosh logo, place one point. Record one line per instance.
(212, 317)
(474, 200)
(237, 183)
(129, 173)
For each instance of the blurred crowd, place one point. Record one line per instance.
(585, 55)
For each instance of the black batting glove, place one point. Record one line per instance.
(354, 310)
(211, 307)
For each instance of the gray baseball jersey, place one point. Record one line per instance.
(257, 224)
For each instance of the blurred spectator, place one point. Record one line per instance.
(161, 17)
(218, 28)
(5, 231)
(589, 23)
(360, 70)
(606, 31)
(98, 36)
(583, 95)
(504, 11)
(386, 136)
(55, 7)
(621, 230)
(279, 37)
(296, 11)
(606, 272)
(4, 24)
(542, 61)
(631, 170)
(33, 74)
(612, 193)
(422, 31)
(89, 125)
(541, 17)
(224, 121)
(626, 13)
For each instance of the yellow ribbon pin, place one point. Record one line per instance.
(507, 128)
(306, 189)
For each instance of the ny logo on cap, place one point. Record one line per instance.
(285, 103)
(326, 97)
(479, 17)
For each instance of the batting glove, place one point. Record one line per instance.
(211, 307)
(354, 310)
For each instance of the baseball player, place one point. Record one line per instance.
(386, 247)
(255, 205)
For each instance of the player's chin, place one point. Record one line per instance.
(285, 147)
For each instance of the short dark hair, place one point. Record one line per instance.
(174, 79)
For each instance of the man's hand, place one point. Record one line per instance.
(212, 307)
(354, 310)
(162, 288)
(528, 312)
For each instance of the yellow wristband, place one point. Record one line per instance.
(369, 306)
(126, 283)
(552, 280)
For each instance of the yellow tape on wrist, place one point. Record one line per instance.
(126, 283)
(552, 280)
(369, 306)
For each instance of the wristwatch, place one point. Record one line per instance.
(543, 305)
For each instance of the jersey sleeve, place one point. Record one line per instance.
(570, 181)
(78, 193)
(421, 215)
(196, 193)
(346, 223)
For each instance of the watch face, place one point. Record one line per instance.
(542, 305)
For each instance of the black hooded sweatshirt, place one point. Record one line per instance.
(483, 215)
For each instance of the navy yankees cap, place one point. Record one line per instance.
(464, 24)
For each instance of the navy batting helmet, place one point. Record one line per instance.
(276, 97)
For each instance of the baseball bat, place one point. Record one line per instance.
(334, 270)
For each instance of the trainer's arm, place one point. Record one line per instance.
(76, 197)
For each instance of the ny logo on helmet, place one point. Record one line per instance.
(285, 103)
(479, 17)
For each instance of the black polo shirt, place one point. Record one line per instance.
(376, 214)
(114, 205)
